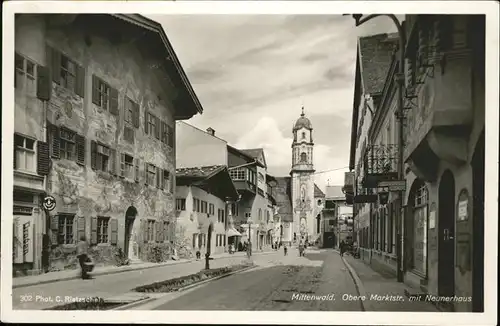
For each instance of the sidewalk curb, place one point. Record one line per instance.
(116, 271)
(161, 300)
(359, 286)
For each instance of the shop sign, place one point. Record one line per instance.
(23, 239)
(462, 210)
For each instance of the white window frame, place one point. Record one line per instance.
(25, 152)
(24, 75)
(103, 229)
(238, 174)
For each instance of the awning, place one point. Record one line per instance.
(233, 233)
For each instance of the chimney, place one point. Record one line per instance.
(211, 131)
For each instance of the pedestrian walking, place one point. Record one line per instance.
(82, 253)
(285, 249)
(342, 248)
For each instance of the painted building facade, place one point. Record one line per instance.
(442, 211)
(202, 205)
(109, 120)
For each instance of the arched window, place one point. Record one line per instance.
(303, 157)
(260, 214)
(303, 135)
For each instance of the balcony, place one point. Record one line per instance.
(245, 187)
(380, 164)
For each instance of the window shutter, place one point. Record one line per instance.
(43, 83)
(93, 230)
(122, 165)
(159, 177)
(146, 231)
(54, 140)
(80, 228)
(54, 222)
(170, 136)
(114, 231)
(80, 149)
(136, 163)
(162, 132)
(161, 180)
(157, 129)
(112, 161)
(80, 81)
(96, 98)
(15, 159)
(113, 101)
(136, 112)
(93, 154)
(43, 158)
(56, 65)
(146, 173)
(146, 131)
(171, 183)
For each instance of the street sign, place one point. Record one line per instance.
(395, 185)
(49, 203)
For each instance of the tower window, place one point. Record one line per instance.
(303, 135)
(303, 157)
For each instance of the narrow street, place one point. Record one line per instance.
(280, 284)
(39, 296)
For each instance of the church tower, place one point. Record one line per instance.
(302, 175)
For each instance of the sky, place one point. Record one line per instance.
(253, 73)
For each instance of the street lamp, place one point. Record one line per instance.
(400, 80)
(209, 245)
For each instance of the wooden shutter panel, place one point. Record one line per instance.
(114, 231)
(93, 154)
(170, 136)
(93, 230)
(54, 140)
(15, 159)
(56, 65)
(157, 129)
(122, 165)
(112, 161)
(80, 228)
(80, 149)
(145, 173)
(159, 177)
(113, 101)
(80, 81)
(136, 163)
(136, 113)
(146, 231)
(171, 183)
(96, 98)
(43, 158)
(43, 83)
(146, 131)
(54, 222)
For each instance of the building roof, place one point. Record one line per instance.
(334, 193)
(170, 56)
(375, 53)
(317, 192)
(244, 154)
(214, 179)
(256, 153)
(284, 198)
(302, 122)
